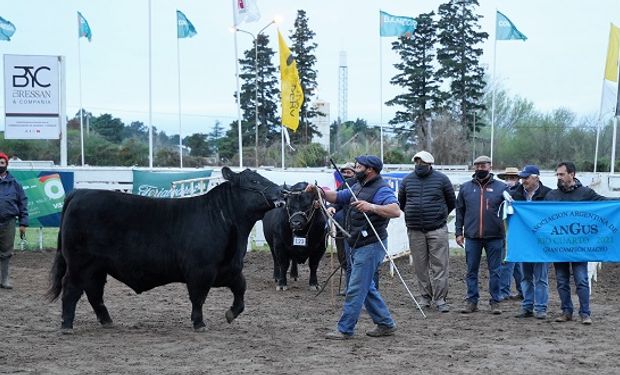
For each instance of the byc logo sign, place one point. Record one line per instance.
(30, 76)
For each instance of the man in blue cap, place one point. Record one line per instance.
(377, 202)
(535, 284)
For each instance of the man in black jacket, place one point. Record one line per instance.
(427, 197)
(571, 189)
(478, 226)
(535, 283)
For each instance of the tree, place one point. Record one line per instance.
(268, 92)
(198, 143)
(417, 77)
(110, 128)
(459, 59)
(303, 50)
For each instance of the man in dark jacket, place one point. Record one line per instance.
(427, 197)
(13, 204)
(478, 226)
(571, 189)
(535, 284)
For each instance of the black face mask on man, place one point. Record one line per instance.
(2, 169)
(481, 174)
(422, 169)
(360, 176)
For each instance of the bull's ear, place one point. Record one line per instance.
(228, 174)
(285, 186)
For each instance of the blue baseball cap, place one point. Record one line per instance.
(370, 161)
(529, 170)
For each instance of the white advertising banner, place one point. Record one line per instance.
(33, 96)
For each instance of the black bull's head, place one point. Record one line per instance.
(300, 206)
(272, 194)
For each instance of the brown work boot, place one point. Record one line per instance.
(495, 310)
(337, 335)
(381, 330)
(469, 308)
(564, 318)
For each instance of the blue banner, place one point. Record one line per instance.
(564, 232)
(185, 29)
(390, 25)
(7, 29)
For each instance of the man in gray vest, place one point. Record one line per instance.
(376, 201)
(427, 197)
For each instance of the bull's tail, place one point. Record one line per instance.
(57, 273)
(60, 264)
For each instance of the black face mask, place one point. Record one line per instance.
(422, 169)
(481, 175)
(2, 169)
(360, 176)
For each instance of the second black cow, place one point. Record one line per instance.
(296, 233)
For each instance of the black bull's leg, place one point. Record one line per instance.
(237, 287)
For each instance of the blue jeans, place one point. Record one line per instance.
(347, 251)
(580, 274)
(365, 261)
(473, 254)
(507, 271)
(535, 287)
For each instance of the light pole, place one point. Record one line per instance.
(254, 38)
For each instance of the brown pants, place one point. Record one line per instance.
(431, 254)
(7, 239)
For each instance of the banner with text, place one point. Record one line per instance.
(564, 232)
(46, 191)
(33, 96)
(159, 184)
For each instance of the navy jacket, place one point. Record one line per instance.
(426, 200)
(477, 209)
(13, 201)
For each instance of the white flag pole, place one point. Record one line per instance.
(493, 88)
(179, 98)
(283, 167)
(80, 92)
(381, 94)
(150, 93)
(238, 89)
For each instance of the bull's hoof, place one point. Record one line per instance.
(66, 331)
(314, 288)
(107, 325)
(200, 327)
(230, 316)
(281, 287)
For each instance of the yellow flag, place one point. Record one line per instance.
(611, 66)
(292, 94)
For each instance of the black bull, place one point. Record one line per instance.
(147, 242)
(296, 233)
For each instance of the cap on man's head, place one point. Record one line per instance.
(3, 156)
(510, 171)
(425, 156)
(482, 159)
(529, 170)
(348, 165)
(370, 161)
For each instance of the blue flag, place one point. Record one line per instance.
(7, 29)
(390, 25)
(564, 232)
(185, 29)
(506, 30)
(83, 27)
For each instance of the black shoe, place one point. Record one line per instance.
(524, 314)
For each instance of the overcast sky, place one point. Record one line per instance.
(560, 65)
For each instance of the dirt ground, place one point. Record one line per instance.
(283, 332)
